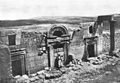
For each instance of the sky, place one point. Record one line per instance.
(25, 9)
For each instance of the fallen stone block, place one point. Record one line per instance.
(41, 76)
(17, 77)
(96, 63)
(63, 70)
(32, 79)
(36, 77)
(47, 68)
(55, 75)
(33, 75)
(27, 81)
(108, 63)
(40, 72)
(20, 80)
(25, 76)
(40, 81)
(108, 72)
(47, 76)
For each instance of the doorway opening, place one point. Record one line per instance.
(90, 47)
(91, 50)
(59, 48)
(12, 39)
(18, 62)
(58, 33)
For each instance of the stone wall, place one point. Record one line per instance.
(117, 40)
(5, 63)
(77, 44)
(4, 35)
(106, 41)
(32, 42)
(77, 37)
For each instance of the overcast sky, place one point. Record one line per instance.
(23, 9)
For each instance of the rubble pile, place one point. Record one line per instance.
(86, 71)
(40, 76)
(73, 72)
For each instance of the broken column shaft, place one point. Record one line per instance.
(112, 38)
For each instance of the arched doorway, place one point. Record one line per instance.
(59, 46)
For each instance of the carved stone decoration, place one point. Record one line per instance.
(58, 41)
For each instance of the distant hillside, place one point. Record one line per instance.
(46, 20)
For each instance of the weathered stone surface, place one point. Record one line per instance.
(32, 79)
(47, 68)
(107, 72)
(33, 75)
(25, 76)
(17, 77)
(83, 73)
(40, 72)
(41, 76)
(20, 80)
(5, 63)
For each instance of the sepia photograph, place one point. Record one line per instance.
(59, 41)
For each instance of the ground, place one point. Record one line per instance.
(102, 69)
(107, 74)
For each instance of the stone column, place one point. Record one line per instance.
(85, 55)
(65, 53)
(112, 34)
(51, 56)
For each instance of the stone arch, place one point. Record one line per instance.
(58, 30)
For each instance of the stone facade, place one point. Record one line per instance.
(32, 39)
(31, 42)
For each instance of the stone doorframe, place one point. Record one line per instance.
(87, 41)
(64, 31)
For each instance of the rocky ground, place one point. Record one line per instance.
(101, 69)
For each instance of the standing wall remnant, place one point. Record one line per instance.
(32, 42)
(5, 64)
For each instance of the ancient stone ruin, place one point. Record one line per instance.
(26, 50)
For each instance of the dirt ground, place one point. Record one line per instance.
(102, 69)
(88, 73)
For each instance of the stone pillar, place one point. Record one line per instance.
(112, 34)
(85, 55)
(65, 53)
(96, 50)
(51, 56)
